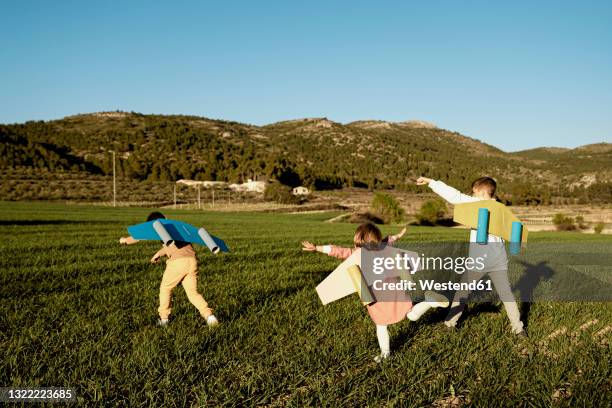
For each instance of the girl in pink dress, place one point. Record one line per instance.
(386, 312)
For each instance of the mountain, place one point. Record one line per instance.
(316, 152)
(593, 161)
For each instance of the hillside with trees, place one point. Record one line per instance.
(315, 152)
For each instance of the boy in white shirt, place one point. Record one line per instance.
(497, 260)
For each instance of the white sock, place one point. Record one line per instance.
(419, 310)
(383, 340)
(432, 300)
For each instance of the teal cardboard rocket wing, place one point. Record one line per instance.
(170, 230)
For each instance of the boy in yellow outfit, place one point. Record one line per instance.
(181, 267)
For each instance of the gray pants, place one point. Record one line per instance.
(502, 286)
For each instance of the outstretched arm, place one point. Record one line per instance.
(127, 240)
(450, 194)
(331, 250)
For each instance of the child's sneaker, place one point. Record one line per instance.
(212, 321)
(436, 299)
(162, 322)
(382, 356)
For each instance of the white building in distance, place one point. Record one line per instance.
(204, 184)
(299, 191)
(249, 186)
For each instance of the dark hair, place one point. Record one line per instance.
(155, 215)
(486, 183)
(367, 234)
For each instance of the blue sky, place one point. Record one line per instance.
(513, 74)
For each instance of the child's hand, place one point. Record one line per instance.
(393, 238)
(421, 181)
(308, 246)
(127, 240)
(155, 258)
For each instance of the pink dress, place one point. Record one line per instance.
(382, 313)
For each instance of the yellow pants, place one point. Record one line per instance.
(179, 270)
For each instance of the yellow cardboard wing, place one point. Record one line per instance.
(500, 218)
(349, 278)
(361, 285)
(339, 283)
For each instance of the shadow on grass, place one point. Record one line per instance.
(431, 318)
(533, 275)
(479, 308)
(403, 336)
(256, 300)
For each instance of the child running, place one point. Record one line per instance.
(385, 312)
(181, 267)
(496, 266)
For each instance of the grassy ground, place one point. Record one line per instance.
(79, 310)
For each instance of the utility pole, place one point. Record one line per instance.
(114, 181)
(174, 196)
(213, 197)
(199, 202)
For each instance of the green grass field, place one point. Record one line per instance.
(79, 310)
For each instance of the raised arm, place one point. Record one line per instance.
(450, 194)
(390, 239)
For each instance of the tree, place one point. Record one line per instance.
(432, 212)
(564, 223)
(387, 208)
(280, 193)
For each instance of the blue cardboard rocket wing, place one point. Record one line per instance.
(171, 230)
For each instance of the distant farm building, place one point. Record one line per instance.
(204, 184)
(249, 186)
(298, 191)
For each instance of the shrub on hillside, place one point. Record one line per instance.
(387, 208)
(363, 217)
(280, 193)
(432, 212)
(564, 223)
(580, 223)
(599, 227)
